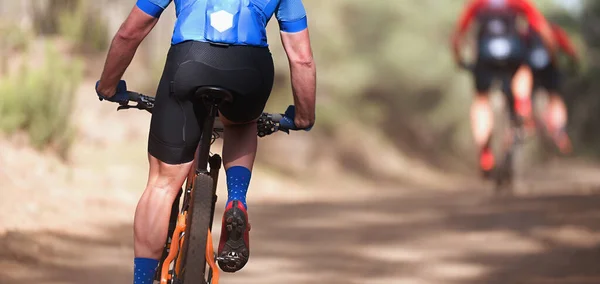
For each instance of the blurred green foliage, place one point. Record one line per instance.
(14, 40)
(83, 27)
(75, 20)
(388, 65)
(582, 89)
(13, 37)
(383, 64)
(39, 101)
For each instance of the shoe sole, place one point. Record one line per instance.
(235, 254)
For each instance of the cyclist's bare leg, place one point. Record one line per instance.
(482, 123)
(522, 84)
(556, 121)
(239, 151)
(482, 119)
(154, 208)
(556, 115)
(239, 144)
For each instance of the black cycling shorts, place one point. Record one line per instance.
(487, 72)
(177, 117)
(548, 78)
(491, 66)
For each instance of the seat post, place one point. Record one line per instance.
(212, 97)
(206, 139)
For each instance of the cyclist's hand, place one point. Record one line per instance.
(287, 121)
(120, 95)
(463, 65)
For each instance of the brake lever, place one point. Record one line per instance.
(138, 106)
(266, 126)
(123, 107)
(147, 103)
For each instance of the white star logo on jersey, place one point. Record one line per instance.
(221, 20)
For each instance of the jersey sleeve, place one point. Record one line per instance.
(291, 16)
(562, 39)
(153, 7)
(537, 21)
(466, 18)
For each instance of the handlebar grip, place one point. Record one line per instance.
(276, 117)
(133, 96)
(467, 66)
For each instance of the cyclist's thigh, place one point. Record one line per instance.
(507, 75)
(248, 104)
(174, 129)
(550, 79)
(484, 74)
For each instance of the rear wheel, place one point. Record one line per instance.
(196, 234)
(505, 147)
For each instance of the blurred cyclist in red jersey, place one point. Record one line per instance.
(547, 76)
(501, 54)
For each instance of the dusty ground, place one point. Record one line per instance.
(73, 224)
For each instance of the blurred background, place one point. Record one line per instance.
(383, 190)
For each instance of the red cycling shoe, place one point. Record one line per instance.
(234, 245)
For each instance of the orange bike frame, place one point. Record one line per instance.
(177, 243)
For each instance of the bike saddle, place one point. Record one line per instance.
(214, 94)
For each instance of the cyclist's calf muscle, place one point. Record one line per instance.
(154, 208)
(239, 148)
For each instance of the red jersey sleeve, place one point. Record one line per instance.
(562, 39)
(537, 21)
(466, 18)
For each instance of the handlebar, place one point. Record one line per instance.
(143, 102)
(466, 66)
(267, 124)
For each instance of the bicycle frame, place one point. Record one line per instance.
(179, 244)
(176, 244)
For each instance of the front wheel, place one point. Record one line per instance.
(196, 233)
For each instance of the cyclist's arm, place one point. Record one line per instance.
(562, 39)
(141, 20)
(538, 22)
(464, 22)
(296, 42)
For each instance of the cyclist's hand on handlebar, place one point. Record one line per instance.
(120, 96)
(462, 64)
(287, 121)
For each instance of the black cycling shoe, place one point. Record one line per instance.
(234, 245)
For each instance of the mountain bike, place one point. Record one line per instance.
(507, 140)
(188, 256)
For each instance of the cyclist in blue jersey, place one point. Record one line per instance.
(215, 42)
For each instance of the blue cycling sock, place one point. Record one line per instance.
(143, 270)
(238, 180)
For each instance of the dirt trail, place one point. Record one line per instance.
(73, 224)
(361, 233)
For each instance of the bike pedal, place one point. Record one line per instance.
(230, 260)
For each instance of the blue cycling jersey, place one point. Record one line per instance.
(235, 22)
